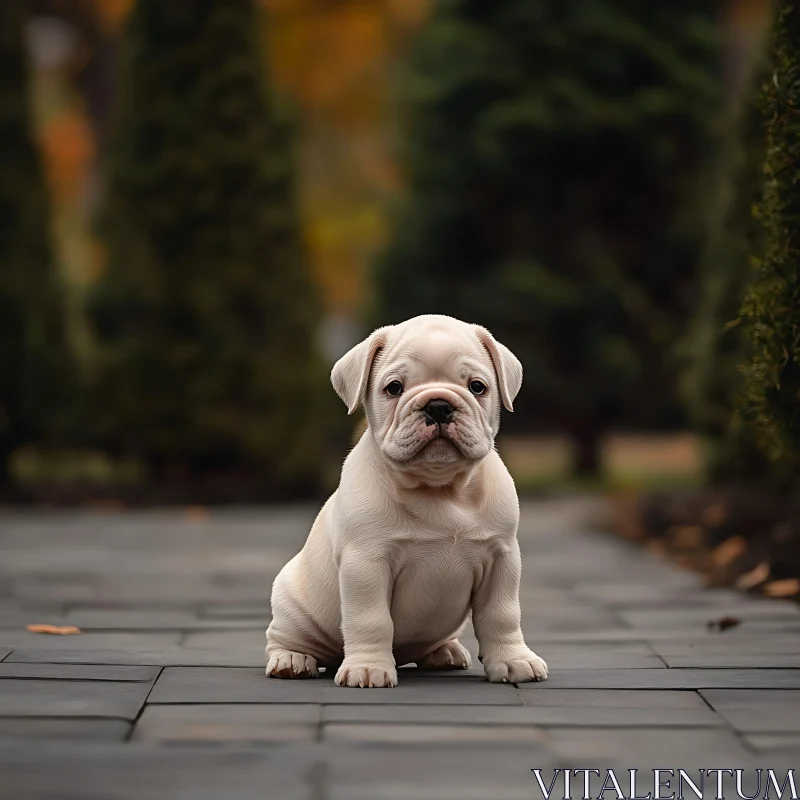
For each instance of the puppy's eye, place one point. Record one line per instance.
(477, 387)
(395, 388)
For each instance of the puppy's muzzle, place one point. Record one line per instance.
(438, 412)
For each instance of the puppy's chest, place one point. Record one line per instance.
(442, 551)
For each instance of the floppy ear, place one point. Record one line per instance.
(350, 374)
(506, 365)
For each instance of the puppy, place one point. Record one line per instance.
(423, 527)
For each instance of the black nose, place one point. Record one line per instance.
(438, 411)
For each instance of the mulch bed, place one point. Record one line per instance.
(736, 536)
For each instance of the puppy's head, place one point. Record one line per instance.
(431, 387)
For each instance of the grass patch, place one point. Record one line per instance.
(32, 466)
(633, 463)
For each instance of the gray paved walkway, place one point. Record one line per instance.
(163, 695)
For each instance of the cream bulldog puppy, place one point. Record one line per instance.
(423, 527)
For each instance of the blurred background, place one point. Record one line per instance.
(203, 205)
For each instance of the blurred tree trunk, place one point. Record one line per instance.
(34, 360)
(205, 319)
(587, 459)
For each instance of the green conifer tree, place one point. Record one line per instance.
(206, 316)
(771, 311)
(553, 152)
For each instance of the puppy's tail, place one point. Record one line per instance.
(359, 431)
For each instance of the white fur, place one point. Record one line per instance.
(423, 527)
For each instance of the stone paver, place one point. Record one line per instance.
(769, 651)
(163, 694)
(71, 698)
(71, 729)
(254, 611)
(149, 620)
(630, 746)
(635, 595)
(448, 735)
(173, 656)
(598, 655)
(668, 679)
(466, 772)
(274, 723)
(89, 772)
(774, 743)
(132, 642)
(640, 718)
(221, 685)
(757, 710)
(79, 672)
(784, 615)
(748, 660)
(604, 712)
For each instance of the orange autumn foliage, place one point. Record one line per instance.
(112, 13)
(333, 60)
(67, 149)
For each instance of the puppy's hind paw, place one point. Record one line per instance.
(451, 655)
(366, 676)
(516, 667)
(287, 664)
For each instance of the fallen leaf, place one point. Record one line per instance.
(686, 536)
(196, 513)
(725, 552)
(723, 624)
(61, 630)
(626, 517)
(657, 546)
(757, 575)
(785, 588)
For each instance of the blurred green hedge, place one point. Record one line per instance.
(36, 371)
(770, 314)
(205, 319)
(553, 159)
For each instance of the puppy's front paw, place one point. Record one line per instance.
(288, 664)
(515, 666)
(366, 674)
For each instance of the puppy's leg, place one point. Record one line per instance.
(288, 664)
(450, 655)
(365, 586)
(496, 616)
(284, 651)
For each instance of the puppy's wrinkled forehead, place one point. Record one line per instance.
(432, 342)
(435, 352)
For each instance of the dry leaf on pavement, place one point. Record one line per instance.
(61, 630)
(725, 552)
(785, 588)
(723, 624)
(757, 575)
